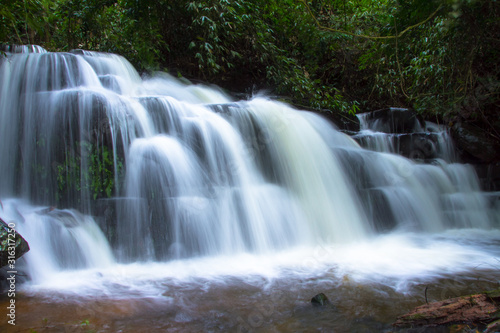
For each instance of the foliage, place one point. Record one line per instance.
(445, 68)
(439, 57)
(93, 171)
(107, 26)
(20, 21)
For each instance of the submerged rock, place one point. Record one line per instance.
(12, 245)
(478, 309)
(320, 300)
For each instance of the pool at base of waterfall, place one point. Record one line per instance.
(368, 283)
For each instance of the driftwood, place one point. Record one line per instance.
(477, 310)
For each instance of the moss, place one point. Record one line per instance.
(417, 316)
(493, 294)
(94, 171)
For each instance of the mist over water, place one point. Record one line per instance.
(202, 186)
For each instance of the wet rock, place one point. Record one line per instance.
(472, 309)
(320, 300)
(105, 214)
(12, 245)
(344, 121)
(475, 144)
(77, 51)
(45, 210)
(416, 146)
(493, 327)
(20, 48)
(381, 211)
(492, 201)
(393, 120)
(489, 176)
(110, 82)
(419, 146)
(225, 108)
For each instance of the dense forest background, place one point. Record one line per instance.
(439, 57)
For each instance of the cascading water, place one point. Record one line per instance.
(188, 173)
(399, 131)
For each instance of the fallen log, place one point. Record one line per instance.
(477, 310)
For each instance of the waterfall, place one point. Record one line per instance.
(185, 171)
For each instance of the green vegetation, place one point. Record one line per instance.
(440, 57)
(92, 171)
(81, 326)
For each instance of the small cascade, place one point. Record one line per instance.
(449, 191)
(114, 72)
(59, 240)
(22, 49)
(400, 131)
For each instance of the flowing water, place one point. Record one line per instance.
(150, 204)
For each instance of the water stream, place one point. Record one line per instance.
(152, 204)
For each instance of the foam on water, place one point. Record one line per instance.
(418, 259)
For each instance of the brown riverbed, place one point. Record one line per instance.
(232, 304)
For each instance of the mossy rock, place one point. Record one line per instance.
(8, 243)
(320, 300)
(494, 295)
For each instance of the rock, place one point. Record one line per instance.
(320, 300)
(77, 51)
(15, 48)
(417, 146)
(493, 327)
(344, 121)
(225, 108)
(489, 176)
(106, 216)
(475, 144)
(381, 211)
(473, 309)
(11, 247)
(392, 120)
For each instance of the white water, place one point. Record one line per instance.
(398, 260)
(425, 141)
(212, 187)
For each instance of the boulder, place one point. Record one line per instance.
(10, 243)
(475, 144)
(392, 120)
